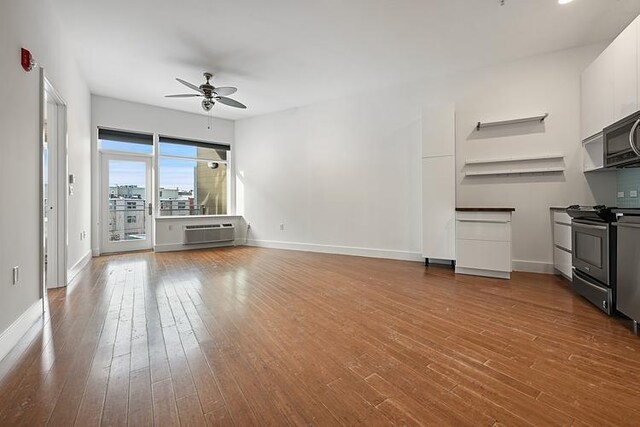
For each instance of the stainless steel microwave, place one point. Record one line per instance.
(621, 142)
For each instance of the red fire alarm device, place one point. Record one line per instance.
(27, 60)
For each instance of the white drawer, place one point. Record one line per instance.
(484, 216)
(561, 217)
(484, 255)
(489, 231)
(562, 261)
(562, 235)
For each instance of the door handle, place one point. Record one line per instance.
(632, 134)
(150, 209)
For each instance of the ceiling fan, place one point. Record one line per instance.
(210, 94)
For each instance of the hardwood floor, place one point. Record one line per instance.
(246, 336)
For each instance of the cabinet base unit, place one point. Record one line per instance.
(483, 242)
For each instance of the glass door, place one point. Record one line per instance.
(127, 210)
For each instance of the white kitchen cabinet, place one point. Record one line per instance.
(562, 258)
(597, 105)
(438, 207)
(609, 86)
(483, 243)
(624, 51)
(438, 183)
(593, 153)
(438, 131)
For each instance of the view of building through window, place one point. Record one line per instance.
(193, 179)
(127, 200)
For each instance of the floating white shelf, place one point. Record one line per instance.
(515, 159)
(512, 122)
(515, 171)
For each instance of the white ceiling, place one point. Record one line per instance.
(288, 53)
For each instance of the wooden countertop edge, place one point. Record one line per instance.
(485, 209)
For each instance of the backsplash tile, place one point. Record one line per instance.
(628, 181)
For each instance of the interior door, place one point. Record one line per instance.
(127, 211)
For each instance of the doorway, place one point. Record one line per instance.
(53, 173)
(127, 210)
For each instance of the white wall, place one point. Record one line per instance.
(341, 177)
(344, 176)
(124, 115)
(170, 231)
(31, 24)
(545, 84)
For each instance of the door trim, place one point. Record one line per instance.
(62, 195)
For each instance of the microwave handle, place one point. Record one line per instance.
(632, 135)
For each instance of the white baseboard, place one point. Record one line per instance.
(484, 273)
(339, 250)
(171, 247)
(533, 267)
(78, 266)
(95, 252)
(12, 335)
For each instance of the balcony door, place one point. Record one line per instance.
(127, 211)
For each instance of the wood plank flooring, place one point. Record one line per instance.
(247, 336)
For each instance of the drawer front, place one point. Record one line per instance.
(490, 231)
(562, 261)
(484, 255)
(562, 218)
(484, 216)
(562, 236)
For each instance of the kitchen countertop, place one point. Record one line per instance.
(558, 208)
(485, 209)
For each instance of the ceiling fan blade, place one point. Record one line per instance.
(225, 91)
(189, 85)
(230, 102)
(183, 95)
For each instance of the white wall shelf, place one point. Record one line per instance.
(515, 171)
(541, 118)
(514, 159)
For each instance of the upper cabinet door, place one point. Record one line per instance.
(625, 72)
(597, 109)
(439, 131)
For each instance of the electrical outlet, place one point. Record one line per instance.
(633, 193)
(16, 274)
(281, 227)
(620, 194)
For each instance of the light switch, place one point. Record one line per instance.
(620, 194)
(633, 193)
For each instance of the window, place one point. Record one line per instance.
(127, 142)
(193, 177)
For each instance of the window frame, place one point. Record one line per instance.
(214, 145)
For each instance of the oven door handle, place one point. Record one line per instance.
(588, 225)
(632, 138)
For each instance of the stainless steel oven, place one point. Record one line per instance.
(621, 141)
(590, 246)
(593, 243)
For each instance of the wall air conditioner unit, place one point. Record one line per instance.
(211, 233)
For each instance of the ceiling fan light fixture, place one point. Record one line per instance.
(564, 1)
(207, 104)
